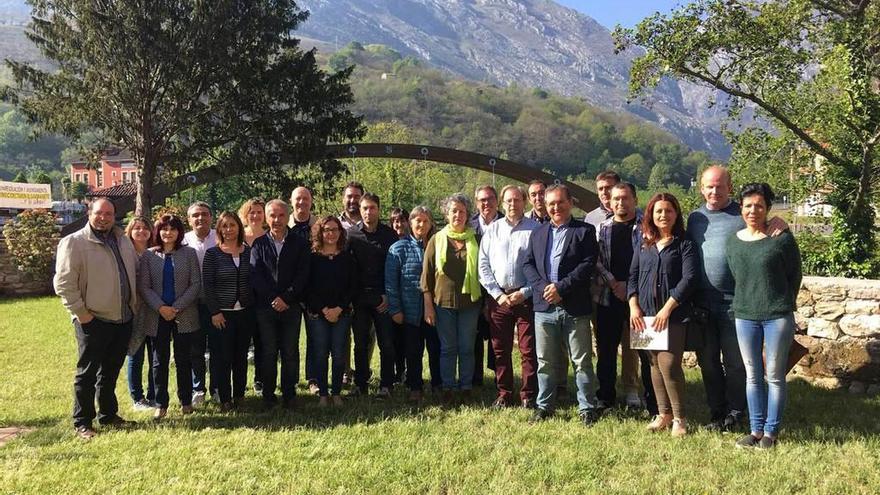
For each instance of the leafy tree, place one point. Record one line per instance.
(812, 68)
(635, 169)
(78, 190)
(20, 177)
(183, 84)
(660, 175)
(42, 177)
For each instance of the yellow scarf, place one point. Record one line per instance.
(471, 283)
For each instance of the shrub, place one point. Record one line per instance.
(32, 238)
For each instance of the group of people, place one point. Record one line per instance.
(477, 285)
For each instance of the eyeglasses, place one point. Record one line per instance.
(329, 230)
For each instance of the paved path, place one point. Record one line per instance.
(10, 432)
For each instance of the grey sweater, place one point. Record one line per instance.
(709, 230)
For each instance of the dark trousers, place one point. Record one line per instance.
(611, 322)
(724, 380)
(483, 348)
(135, 373)
(399, 352)
(362, 318)
(328, 340)
(229, 347)
(183, 344)
(200, 344)
(279, 334)
(101, 348)
(419, 337)
(258, 352)
(502, 322)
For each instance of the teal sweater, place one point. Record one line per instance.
(709, 230)
(767, 273)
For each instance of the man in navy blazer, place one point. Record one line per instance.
(558, 268)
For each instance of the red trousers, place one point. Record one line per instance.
(502, 322)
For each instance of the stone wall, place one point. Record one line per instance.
(839, 322)
(15, 283)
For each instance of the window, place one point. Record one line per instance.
(100, 176)
(77, 178)
(114, 174)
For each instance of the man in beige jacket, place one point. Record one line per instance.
(95, 278)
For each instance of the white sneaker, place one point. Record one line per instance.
(198, 399)
(633, 400)
(143, 405)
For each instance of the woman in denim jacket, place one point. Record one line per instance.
(662, 277)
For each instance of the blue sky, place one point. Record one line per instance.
(626, 12)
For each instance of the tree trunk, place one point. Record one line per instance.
(146, 179)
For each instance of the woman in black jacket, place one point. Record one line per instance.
(662, 278)
(226, 279)
(329, 293)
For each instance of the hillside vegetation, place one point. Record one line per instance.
(565, 136)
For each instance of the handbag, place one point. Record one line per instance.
(695, 328)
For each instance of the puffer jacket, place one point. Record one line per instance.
(403, 271)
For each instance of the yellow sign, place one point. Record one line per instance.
(24, 196)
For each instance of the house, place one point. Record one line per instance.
(116, 167)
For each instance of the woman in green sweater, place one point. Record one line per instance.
(767, 271)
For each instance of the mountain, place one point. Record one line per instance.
(532, 43)
(529, 43)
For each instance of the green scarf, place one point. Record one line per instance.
(471, 283)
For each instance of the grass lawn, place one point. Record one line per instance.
(830, 441)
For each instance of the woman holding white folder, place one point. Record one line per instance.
(662, 278)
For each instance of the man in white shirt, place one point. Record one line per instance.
(201, 238)
(503, 250)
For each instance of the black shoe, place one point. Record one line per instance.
(540, 415)
(748, 442)
(731, 422)
(115, 422)
(716, 424)
(358, 391)
(589, 417)
(529, 404)
(267, 405)
(766, 443)
(289, 404)
(85, 432)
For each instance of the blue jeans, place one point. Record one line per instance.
(766, 397)
(328, 340)
(135, 374)
(457, 330)
(279, 335)
(556, 328)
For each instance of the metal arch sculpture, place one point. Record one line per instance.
(583, 198)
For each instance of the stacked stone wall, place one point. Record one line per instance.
(839, 321)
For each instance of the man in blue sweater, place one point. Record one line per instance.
(709, 227)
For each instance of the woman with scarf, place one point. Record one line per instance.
(451, 289)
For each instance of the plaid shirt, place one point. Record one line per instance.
(604, 276)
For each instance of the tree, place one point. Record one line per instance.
(183, 84)
(811, 68)
(42, 177)
(20, 177)
(78, 190)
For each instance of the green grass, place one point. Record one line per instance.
(830, 442)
